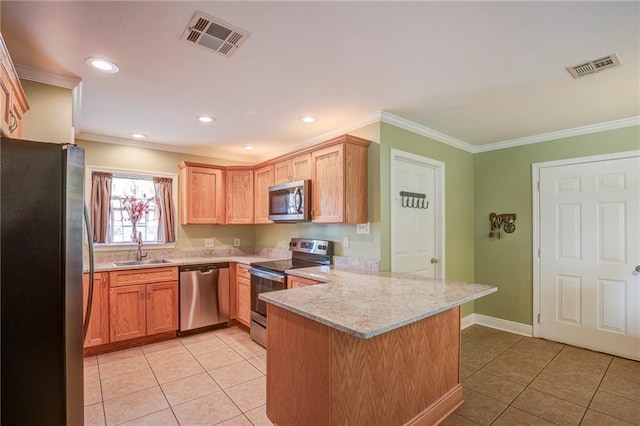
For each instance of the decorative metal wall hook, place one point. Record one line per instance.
(504, 221)
(414, 200)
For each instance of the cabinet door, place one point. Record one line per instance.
(295, 282)
(240, 196)
(162, 307)
(98, 332)
(328, 185)
(244, 301)
(263, 180)
(201, 195)
(127, 312)
(282, 172)
(301, 167)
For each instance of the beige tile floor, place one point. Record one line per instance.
(219, 378)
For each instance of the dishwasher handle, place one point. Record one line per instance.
(204, 268)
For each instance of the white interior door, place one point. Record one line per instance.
(589, 248)
(416, 237)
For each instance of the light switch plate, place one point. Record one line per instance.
(345, 242)
(362, 228)
(208, 242)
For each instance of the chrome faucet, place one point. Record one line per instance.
(139, 254)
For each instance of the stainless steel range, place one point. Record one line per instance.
(270, 276)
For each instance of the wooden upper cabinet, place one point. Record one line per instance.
(201, 194)
(239, 196)
(339, 182)
(297, 168)
(13, 102)
(264, 178)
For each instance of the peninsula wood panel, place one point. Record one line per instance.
(264, 178)
(162, 307)
(98, 331)
(317, 375)
(142, 276)
(239, 197)
(407, 370)
(290, 399)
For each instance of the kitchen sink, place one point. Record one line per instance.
(141, 262)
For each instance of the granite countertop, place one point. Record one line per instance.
(366, 304)
(109, 266)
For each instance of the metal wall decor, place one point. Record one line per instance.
(506, 221)
(414, 200)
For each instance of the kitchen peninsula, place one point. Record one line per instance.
(365, 348)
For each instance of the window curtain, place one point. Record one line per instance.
(100, 205)
(166, 210)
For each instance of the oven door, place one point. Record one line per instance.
(261, 282)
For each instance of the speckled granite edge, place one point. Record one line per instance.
(246, 260)
(369, 304)
(369, 334)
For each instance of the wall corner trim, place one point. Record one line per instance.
(39, 76)
(497, 323)
(410, 126)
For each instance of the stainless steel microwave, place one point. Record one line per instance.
(290, 202)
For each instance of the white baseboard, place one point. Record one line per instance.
(498, 323)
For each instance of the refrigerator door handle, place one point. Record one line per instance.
(87, 317)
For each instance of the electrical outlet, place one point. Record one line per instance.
(345, 242)
(208, 242)
(362, 228)
(236, 242)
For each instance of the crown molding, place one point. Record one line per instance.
(93, 137)
(27, 72)
(394, 120)
(576, 131)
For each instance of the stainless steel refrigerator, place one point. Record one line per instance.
(41, 201)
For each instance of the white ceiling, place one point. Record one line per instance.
(479, 72)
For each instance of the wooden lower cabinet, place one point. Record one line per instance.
(295, 282)
(98, 332)
(162, 307)
(143, 302)
(127, 312)
(243, 295)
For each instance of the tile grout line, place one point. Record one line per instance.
(596, 391)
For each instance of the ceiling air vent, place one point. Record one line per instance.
(594, 66)
(213, 34)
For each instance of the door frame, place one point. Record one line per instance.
(535, 179)
(438, 201)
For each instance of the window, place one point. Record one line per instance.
(127, 205)
(133, 196)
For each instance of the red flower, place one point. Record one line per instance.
(136, 207)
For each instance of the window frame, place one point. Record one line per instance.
(89, 169)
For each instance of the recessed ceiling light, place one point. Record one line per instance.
(205, 118)
(248, 147)
(138, 135)
(102, 64)
(308, 119)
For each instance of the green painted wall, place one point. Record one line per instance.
(141, 159)
(503, 185)
(459, 217)
(49, 118)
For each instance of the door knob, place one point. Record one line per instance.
(638, 268)
(434, 260)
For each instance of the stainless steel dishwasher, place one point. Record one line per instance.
(204, 295)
